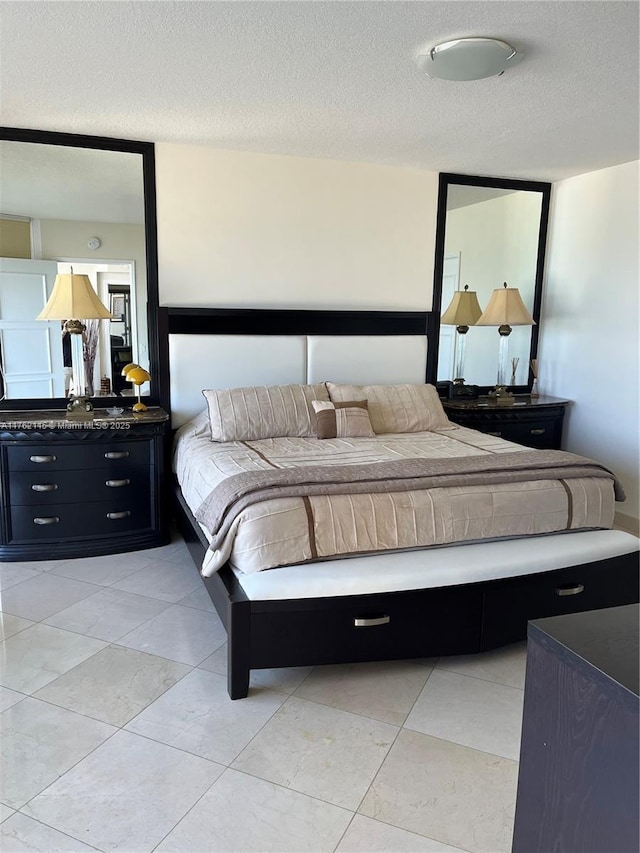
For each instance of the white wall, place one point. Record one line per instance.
(589, 336)
(259, 230)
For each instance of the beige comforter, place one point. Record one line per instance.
(290, 528)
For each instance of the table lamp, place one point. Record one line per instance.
(505, 309)
(138, 376)
(464, 311)
(74, 296)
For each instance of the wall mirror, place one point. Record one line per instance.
(489, 231)
(88, 203)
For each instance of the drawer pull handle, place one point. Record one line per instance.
(44, 487)
(540, 431)
(42, 458)
(115, 484)
(115, 516)
(51, 519)
(368, 622)
(116, 454)
(495, 433)
(570, 589)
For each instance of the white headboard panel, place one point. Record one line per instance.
(367, 359)
(229, 361)
(235, 347)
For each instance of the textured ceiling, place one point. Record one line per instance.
(332, 79)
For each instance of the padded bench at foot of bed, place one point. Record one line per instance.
(493, 589)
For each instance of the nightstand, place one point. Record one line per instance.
(81, 488)
(532, 421)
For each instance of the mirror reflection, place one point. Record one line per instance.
(491, 237)
(63, 207)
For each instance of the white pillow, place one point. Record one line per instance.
(265, 411)
(397, 408)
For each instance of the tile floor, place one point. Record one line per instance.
(117, 732)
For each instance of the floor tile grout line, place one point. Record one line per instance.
(359, 713)
(480, 678)
(463, 746)
(55, 829)
(89, 636)
(189, 810)
(292, 790)
(400, 729)
(68, 770)
(83, 713)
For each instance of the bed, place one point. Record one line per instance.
(303, 566)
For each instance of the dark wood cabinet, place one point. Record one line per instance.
(81, 488)
(580, 755)
(532, 421)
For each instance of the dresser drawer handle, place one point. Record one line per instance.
(537, 431)
(570, 589)
(116, 454)
(51, 519)
(368, 622)
(44, 487)
(115, 484)
(116, 516)
(42, 458)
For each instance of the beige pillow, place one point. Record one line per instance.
(267, 411)
(397, 408)
(342, 420)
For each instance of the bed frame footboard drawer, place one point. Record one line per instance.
(370, 627)
(509, 605)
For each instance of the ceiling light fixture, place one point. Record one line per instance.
(470, 58)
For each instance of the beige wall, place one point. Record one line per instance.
(256, 230)
(590, 322)
(15, 238)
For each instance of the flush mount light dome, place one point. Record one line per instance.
(467, 59)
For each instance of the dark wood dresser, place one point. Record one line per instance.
(81, 488)
(580, 753)
(532, 421)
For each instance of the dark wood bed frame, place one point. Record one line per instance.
(451, 620)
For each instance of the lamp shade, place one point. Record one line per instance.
(464, 309)
(506, 308)
(73, 297)
(136, 374)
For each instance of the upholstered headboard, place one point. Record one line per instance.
(227, 348)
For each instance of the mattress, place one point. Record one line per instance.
(291, 530)
(437, 567)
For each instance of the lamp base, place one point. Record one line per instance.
(139, 407)
(80, 409)
(501, 397)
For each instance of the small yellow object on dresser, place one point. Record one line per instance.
(138, 376)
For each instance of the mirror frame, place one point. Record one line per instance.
(147, 151)
(446, 179)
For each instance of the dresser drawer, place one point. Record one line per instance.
(61, 457)
(50, 487)
(44, 523)
(541, 434)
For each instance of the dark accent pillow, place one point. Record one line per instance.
(342, 420)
